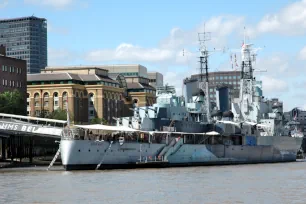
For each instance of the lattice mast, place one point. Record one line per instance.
(203, 85)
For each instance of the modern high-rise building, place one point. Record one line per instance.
(230, 79)
(26, 38)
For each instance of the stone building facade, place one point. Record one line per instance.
(13, 74)
(90, 92)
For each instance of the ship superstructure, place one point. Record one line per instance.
(169, 113)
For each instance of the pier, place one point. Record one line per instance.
(22, 138)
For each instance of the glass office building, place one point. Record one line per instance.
(26, 38)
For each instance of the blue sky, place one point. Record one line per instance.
(154, 35)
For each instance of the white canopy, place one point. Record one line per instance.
(212, 133)
(107, 128)
(182, 133)
(227, 122)
(250, 123)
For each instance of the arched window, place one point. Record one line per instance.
(135, 102)
(37, 100)
(36, 96)
(46, 95)
(28, 95)
(65, 100)
(91, 99)
(46, 99)
(55, 100)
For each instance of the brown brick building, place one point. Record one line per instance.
(89, 91)
(13, 73)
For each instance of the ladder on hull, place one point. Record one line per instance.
(174, 148)
(54, 159)
(166, 148)
(110, 145)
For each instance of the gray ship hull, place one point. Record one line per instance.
(84, 154)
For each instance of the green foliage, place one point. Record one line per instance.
(12, 102)
(98, 121)
(59, 114)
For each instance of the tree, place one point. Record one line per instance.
(12, 102)
(59, 114)
(98, 121)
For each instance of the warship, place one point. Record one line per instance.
(189, 131)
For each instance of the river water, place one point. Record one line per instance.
(258, 183)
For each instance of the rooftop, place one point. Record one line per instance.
(93, 66)
(21, 19)
(67, 76)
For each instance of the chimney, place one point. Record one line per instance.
(2, 50)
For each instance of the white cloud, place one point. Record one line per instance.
(3, 3)
(272, 85)
(175, 79)
(170, 49)
(129, 52)
(53, 3)
(291, 20)
(220, 27)
(302, 54)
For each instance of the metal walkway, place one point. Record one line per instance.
(30, 126)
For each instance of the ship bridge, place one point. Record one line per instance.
(30, 126)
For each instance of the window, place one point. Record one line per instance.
(46, 96)
(37, 113)
(91, 113)
(234, 77)
(46, 104)
(36, 96)
(221, 77)
(91, 99)
(36, 104)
